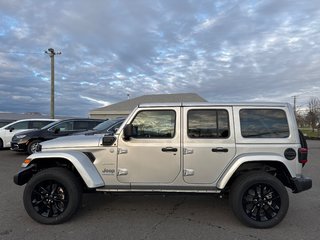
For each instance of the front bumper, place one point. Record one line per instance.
(20, 147)
(301, 184)
(24, 175)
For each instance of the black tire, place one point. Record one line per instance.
(32, 146)
(52, 196)
(259, 200)
(1, 143)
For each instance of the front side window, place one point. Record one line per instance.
(264, 123)
(64, 126)
(154, 124)
(208, 123)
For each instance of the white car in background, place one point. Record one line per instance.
(7, 131)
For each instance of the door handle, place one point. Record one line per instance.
(169, 149)
(220, 149)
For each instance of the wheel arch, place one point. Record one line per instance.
(77, 162)
(271, 164)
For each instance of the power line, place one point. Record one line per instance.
(14, 52)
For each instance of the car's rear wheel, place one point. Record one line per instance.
(52, 196)
(1, 143)
(259, 200)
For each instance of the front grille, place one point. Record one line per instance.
(14, 146)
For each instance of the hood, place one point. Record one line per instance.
(30, 132)
(73, 142)
(88, 132)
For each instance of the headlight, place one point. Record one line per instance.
(20, 136)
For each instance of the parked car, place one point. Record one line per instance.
(28, 140)
(107, 127)
(9, 130)
(84, 140)
(251, 152)
(4, 122)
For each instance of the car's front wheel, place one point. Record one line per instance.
(32, 146)
(52, 196)
(259, 200)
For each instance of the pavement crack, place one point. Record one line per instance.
(165, 219)
(6, 232)
(247, 236)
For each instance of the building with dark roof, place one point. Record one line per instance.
(122, 109)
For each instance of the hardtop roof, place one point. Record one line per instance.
(207, 104)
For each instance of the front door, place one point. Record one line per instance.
(209, 143)
(152, 155)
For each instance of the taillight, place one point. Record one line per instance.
(303, 155)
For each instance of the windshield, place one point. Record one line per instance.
(49, 125)
(105, 125)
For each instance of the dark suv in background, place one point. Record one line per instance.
(108, 127)
(27, 141)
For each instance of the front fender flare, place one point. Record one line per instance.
(79, 160)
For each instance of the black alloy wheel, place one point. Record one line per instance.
(49, 198)
(261, 202)
(52, 196)
(259, 199)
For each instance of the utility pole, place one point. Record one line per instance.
(51, 54)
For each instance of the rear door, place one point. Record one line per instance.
(209, 143)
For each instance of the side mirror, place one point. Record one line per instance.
(108, 140)
(11, 129)
(128, 132)
(56, 130)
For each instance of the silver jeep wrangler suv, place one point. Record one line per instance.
(251, 151)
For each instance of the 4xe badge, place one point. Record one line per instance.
(107, 171)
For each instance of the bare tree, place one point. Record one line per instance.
(313, 113)
(301, 119)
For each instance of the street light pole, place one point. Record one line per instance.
(51, 54)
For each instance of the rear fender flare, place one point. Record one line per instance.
(245, 158)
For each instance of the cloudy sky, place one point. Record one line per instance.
(222, 50)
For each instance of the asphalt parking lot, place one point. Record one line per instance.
(156, 216)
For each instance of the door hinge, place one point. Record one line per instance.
(122, 171)
(187, 151)
(122, 151)
(188, 172)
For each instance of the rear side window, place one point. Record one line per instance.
(208, 123)
(264, 123)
